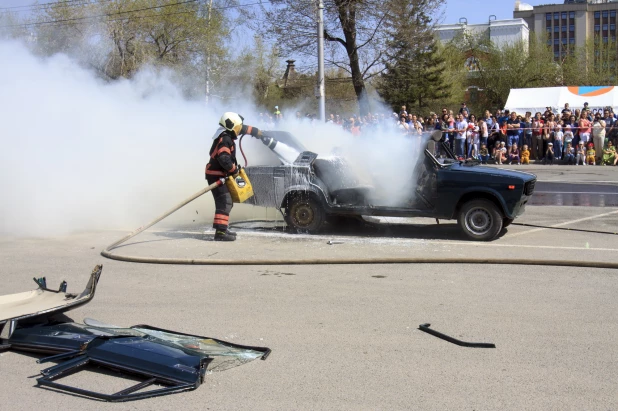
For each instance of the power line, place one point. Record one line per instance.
(43, 5)
(104, 15)
(77, 19)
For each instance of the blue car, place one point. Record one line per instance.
(309, 190)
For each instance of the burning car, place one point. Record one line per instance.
(308, 189)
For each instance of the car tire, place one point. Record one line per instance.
(304, 214)
(506, 222)
(480, 220)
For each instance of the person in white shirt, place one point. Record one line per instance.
(461, 125)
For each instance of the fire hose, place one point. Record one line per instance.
(107, 252)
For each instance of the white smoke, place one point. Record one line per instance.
(78, 153)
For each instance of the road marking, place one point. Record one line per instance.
(609, 182)
(565, 223)
(397, 240)
(551, 247)
(575, 192)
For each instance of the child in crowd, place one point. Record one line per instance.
(549, 154)
(514, 154)
(495, 151)
(558, 136)
(590, 155)
(525, 155)
(484, 154)
(472, 139)
(569, 154)
(501, 153)
(609, 155)
(580, 153)
(568, 135)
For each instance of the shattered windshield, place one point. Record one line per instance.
(223, 355)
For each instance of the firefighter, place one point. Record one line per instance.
(223, 164)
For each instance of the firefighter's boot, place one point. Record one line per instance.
(224, 236)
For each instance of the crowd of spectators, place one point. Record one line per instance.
(574, 137)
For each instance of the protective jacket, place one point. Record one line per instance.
(222, 156)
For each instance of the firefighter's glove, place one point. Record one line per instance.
(236, 173)
(253, 131)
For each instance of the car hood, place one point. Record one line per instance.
(478, 169)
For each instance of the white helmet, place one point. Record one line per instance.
(231, 122)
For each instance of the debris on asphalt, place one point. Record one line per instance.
(331, 242)
(425, 327)
(156, 357)
(26, 305)
(175, 361)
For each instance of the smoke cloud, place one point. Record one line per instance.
(79, 153)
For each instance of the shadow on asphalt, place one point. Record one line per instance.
(448, 231)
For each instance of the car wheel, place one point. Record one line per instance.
(507, 222)
(304, 214)
(480, 220)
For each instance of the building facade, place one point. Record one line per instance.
(500, 32)
(571, 23)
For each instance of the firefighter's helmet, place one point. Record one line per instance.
(231, 122)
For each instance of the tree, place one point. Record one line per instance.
(356, 33)
(515, 65)
(119, 37)
(414, 71)
(592, 64)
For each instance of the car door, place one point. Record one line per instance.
(426, 180)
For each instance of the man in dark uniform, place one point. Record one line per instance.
(223, 164)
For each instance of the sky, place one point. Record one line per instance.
(478, 11)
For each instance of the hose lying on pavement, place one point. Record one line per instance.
(327, 261)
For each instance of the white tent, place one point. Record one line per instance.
(538, 99)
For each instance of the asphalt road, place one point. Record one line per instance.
(346, 337)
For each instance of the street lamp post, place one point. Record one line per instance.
(320, 88)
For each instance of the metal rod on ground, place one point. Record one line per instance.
(321, 92)
(164, 215)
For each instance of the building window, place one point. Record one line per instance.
(556, 16)
(597, 27)
(556, 29)
(605, 27)
(549, 42)
(612, 13)
(605, 39)
(556, 54)
(564, 40)
(572, 27)
(548, 16)
(612, 27)
(564, 15)
(605, 13)
(571, 40)
(597, 14)
(548, 29)
(564, 29)
(571, 14)
(556, 41)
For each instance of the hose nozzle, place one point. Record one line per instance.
(253, 131)
(269, 142)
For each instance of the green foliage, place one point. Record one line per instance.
(119, 37)
(414, 68)
(415, 79)
(517, 65)
(593, 64)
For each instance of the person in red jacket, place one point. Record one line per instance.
(222, 164)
